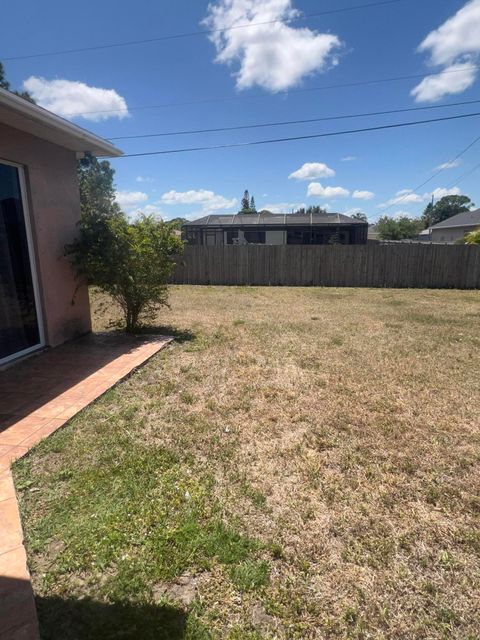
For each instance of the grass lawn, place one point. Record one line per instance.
(300, 463)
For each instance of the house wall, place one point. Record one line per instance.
(54, 210)
(450, 235)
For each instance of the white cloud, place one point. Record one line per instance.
(208, 200)
(448, 165)
(129, 199)
(72, 99)
(440, 193)
(316, 189)
(143, 179)
(284, 207)
(455, 37)
(407, 196)
(349, 158)
(312, 170)
(363, 195)
(273, 56)
(433, 88)
(455, 45)
(402, 213)
(149, 210)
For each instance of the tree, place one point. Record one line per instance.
(473, 237)
(427, 216)
(97, 191)
(253, 208)
(245, 202)
(360, 216)
(4, 84)
(177, 223)
(311, 209)
(445, 208)
(398, 228)
(130, 261)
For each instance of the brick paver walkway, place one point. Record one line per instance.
(37, 396)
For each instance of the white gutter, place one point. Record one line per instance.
(51, 121)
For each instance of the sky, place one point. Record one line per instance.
(260, 62)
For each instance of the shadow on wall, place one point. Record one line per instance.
(87, 619)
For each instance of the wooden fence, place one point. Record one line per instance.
(394, 265)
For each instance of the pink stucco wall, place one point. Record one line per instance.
(54, 208)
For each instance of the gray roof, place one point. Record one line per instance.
(272, 219)
(466, 219)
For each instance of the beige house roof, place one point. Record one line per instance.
(21, 114)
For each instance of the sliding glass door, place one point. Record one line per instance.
(20, 321)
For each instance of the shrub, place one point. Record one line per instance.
(473, 237)
(130, 261)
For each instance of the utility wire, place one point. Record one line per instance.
(459, 155)
(178, 36)
(263, 96)
(305, 137)
(464, 175)
(290, 122)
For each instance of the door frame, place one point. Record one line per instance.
(33, 265)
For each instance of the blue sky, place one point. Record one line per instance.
(257, 73)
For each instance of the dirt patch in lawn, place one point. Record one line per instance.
(301, 463)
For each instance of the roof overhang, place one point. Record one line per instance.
(474, 225)
(21, 114)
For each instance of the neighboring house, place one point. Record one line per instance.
(373, 234)
(453, 229)
(41, 302)
(424, 236)
(276, 229)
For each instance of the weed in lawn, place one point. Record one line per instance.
(250, 575)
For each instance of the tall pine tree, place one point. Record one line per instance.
(245, 202)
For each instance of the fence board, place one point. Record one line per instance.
(395, 265)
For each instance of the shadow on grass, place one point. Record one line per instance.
(87, 619)
(180, 335)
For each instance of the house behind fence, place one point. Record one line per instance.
(275, 229)
(452, 229)
(400, 265)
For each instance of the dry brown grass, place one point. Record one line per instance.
(341, 427)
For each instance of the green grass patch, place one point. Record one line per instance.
(250, 575)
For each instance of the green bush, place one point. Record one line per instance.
(473, 237)
(130, 261)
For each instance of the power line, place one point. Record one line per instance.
(263, 96)
(459, 155)
(178, 36)
(290, 122)
(305, 137)
(464, 175)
